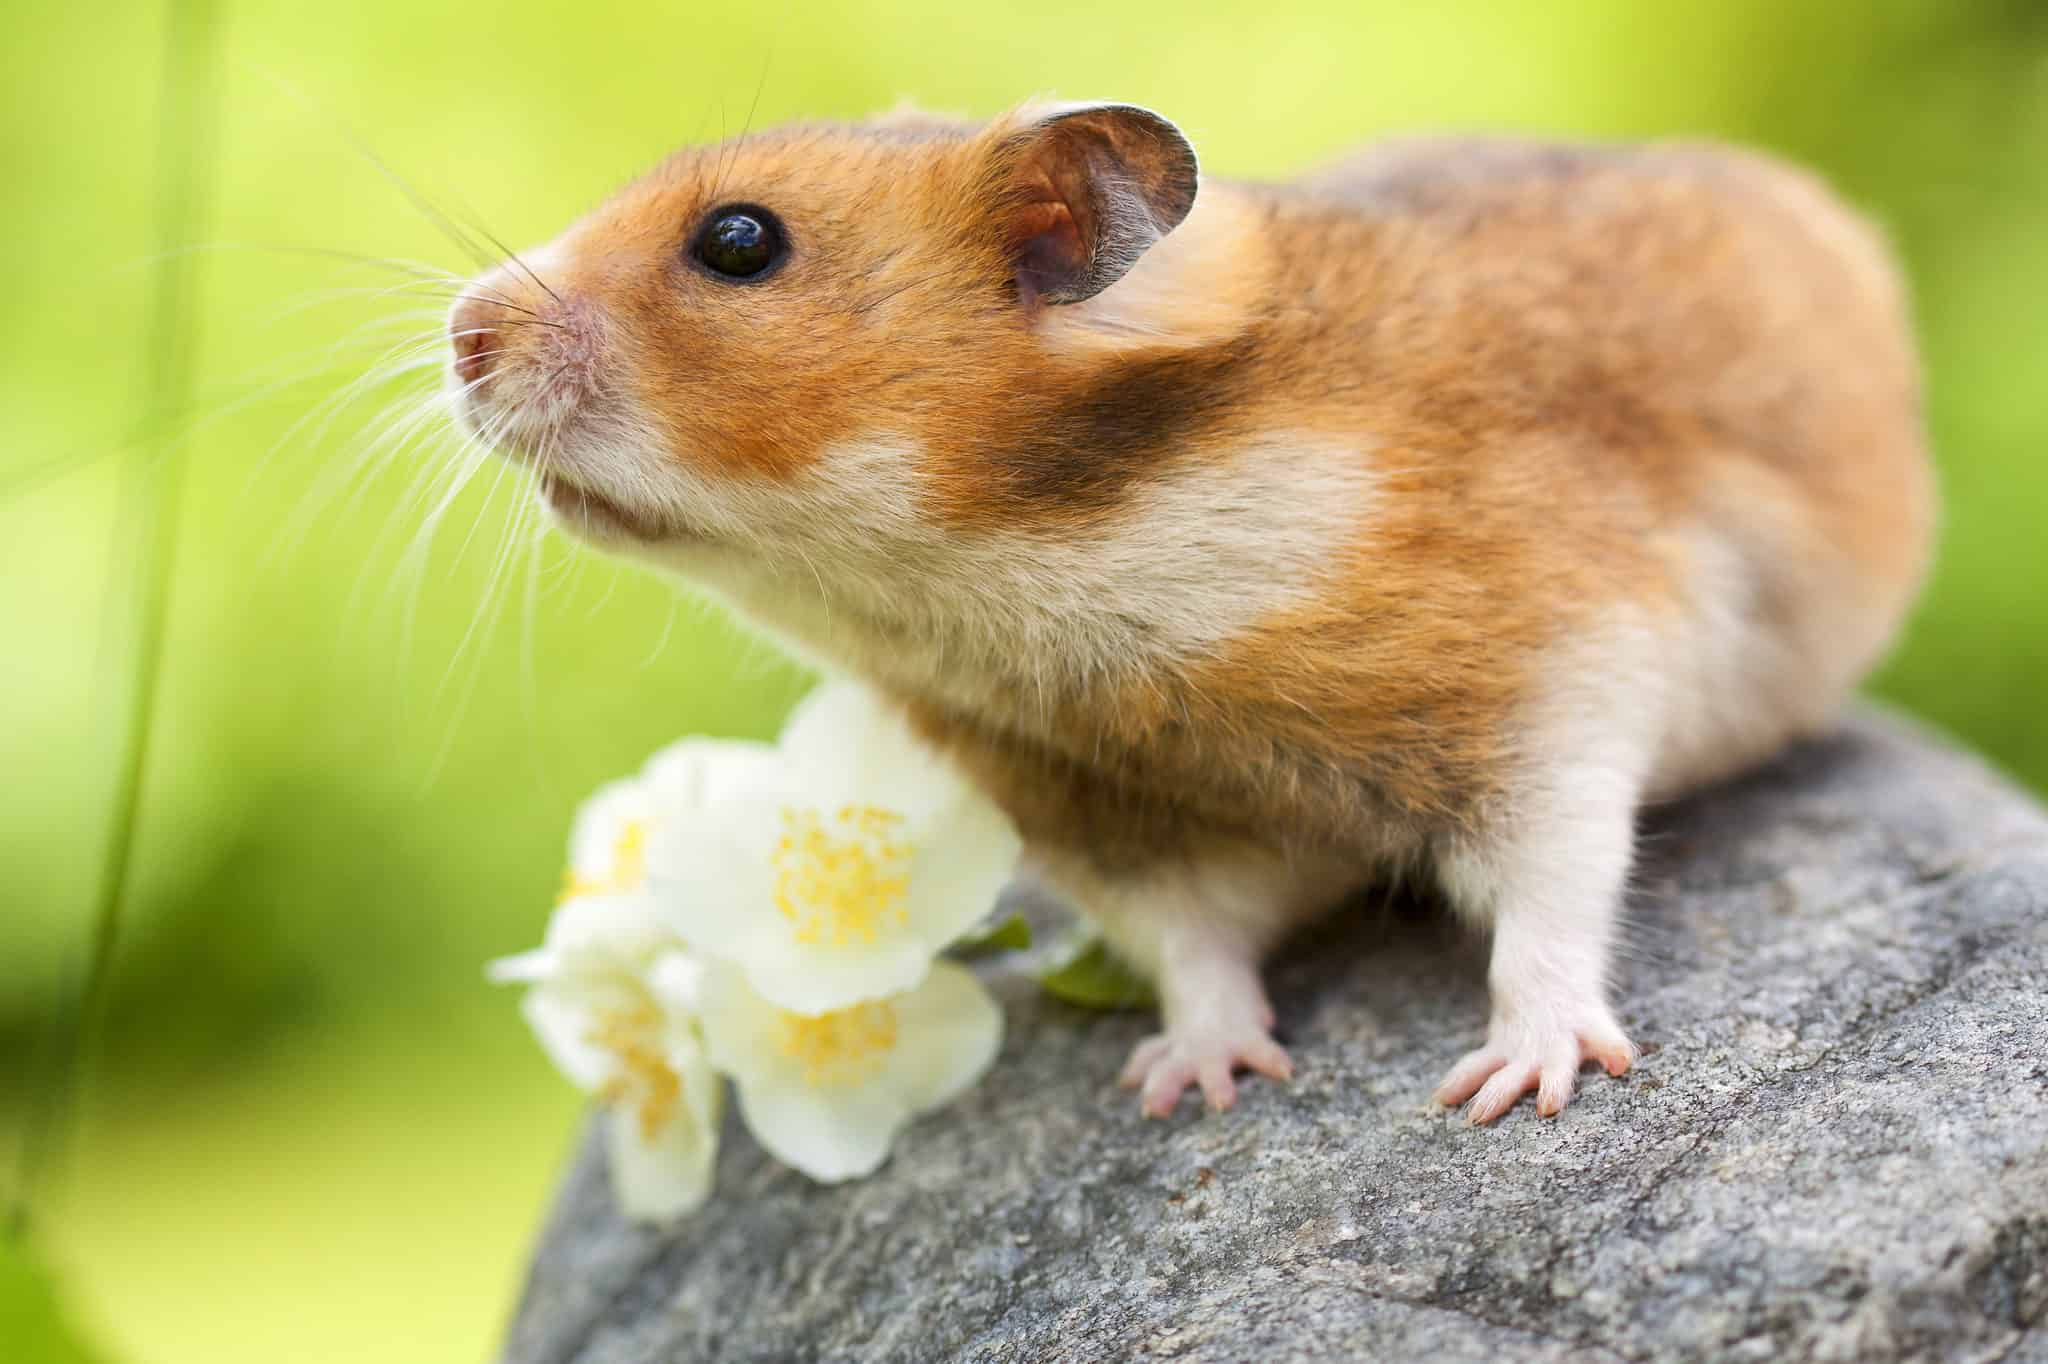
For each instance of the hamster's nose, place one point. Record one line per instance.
(473, 332)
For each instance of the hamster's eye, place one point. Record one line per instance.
(740, 241)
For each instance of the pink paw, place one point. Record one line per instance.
(1163, 1066)
(1544, 1056)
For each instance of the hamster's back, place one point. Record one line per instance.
(1702, 343)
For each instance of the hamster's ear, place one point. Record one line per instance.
(1086, 189)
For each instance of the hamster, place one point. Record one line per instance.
(1424, 516)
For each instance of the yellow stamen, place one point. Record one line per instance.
(843, 1047)
(844, 879)
(627, 873)
(645, 1078)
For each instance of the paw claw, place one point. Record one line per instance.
(1554, 1090)
(1273, 1063)
(1466, 1076)
(1615, 1053)
(1218, 1089)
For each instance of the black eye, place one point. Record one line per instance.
(740, 242)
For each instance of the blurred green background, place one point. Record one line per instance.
(309, 1131)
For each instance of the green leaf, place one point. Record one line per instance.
(1094, 979)
(1011, 935)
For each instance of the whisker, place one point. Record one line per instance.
(386, 440)
(417, 269)
(484, 621)
(534, 528)
(515, 258)
(413, 195)
(668, 629)
(175, 430)
(397, 361)
(746, 126)
(453, 291)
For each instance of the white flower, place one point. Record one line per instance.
(608, 842)
(613, 1001)
(836, 867)
(612, 995)
(773, 913)
(827, 1093)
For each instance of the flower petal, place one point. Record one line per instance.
(713, 886)
(965, 858)
(950, 1029)
(716, 888)
(619, 929)
(848, 744)
(663, 1177)
(816, 982)
(739, 1025)
(825, 730)
(831, 1104)
(600, 821)
(701, 774)
(829, 1132)
(676, 980)
(537, 964)
(562, 1020)
(828, 1138)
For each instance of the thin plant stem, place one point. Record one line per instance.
(187, 105)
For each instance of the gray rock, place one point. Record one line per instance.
(1833, 1148)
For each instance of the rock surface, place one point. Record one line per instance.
(1836, 1146)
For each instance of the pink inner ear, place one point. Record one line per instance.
(1044, 218)
(1047, 246)
(1089, 191)
(1049, 229)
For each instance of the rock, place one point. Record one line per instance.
(1833, 1147)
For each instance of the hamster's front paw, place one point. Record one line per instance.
(1543, 1053)
(1163, 1066)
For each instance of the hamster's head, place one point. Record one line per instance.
(810, 344)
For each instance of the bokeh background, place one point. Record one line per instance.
(308, 1130)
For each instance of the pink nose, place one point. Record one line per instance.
(473, 332)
